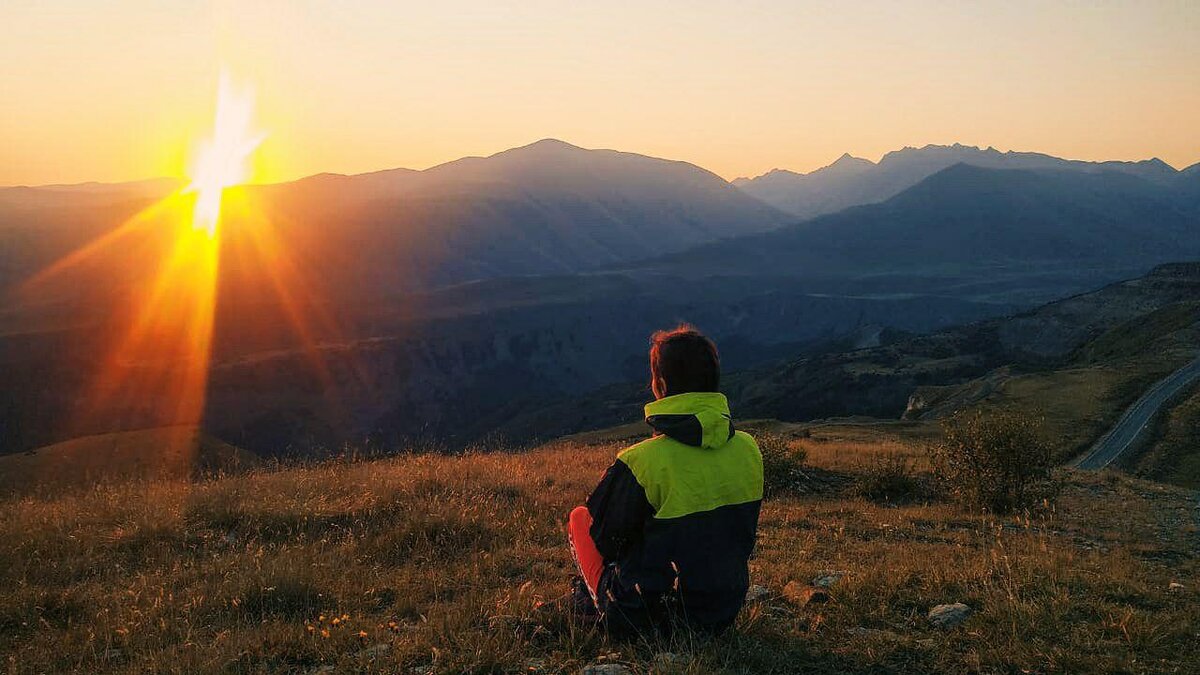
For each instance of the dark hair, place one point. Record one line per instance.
(685, 360)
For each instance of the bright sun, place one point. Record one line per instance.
(221, 159)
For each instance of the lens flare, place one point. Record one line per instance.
(159, 272)
(158, 275)
(222, 160)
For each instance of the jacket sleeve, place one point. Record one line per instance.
(619, 510)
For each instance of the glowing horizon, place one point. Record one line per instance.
(737, 89)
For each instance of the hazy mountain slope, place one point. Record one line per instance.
(966, 221)
(828, 189)
(450, 365)
(490, 356)
(923, 373)
(549, 207)
(93, 193)
(1078, 330)
(1188, 183)
(838, 186)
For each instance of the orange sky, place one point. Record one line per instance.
(120, 90)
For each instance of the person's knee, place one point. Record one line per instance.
(580, 518)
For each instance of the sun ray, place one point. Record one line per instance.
(103, 245)
(153, 371)
(154, 363)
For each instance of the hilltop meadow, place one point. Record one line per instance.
(436, 564)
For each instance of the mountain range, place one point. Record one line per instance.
(851, 181)
(974, 231)
(545, 208)
(466, 298)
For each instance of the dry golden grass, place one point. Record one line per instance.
(433, 564)
(847, 446)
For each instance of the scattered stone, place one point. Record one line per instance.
(828, 579)
(802, 594)
(756, 593)
(1175, 587)
(949, 616)
(605, 669)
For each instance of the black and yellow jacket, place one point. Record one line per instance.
(676, 516)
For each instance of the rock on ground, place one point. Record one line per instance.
(756, 593)
(827, 579)
(605, 669)
(949, 616)
(803, 594)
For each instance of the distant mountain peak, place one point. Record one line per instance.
(934, 148)
(850, 161)
(782, 172)
(544, 147)
(549, 144)
(772, 175)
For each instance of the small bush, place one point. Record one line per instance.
(995, 461)
(890, 479)
(781, 462)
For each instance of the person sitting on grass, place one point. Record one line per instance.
(665, 537)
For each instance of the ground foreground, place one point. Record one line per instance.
(433, 564)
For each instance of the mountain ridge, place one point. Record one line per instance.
(965, 215)
(822, 191)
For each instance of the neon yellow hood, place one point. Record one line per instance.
(699, 419)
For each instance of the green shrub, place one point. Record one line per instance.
(782, 460)
(890, 479)
(996, 461)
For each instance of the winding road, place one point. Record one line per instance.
(1135, 419)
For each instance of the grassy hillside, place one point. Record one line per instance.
(159, 453)
(1173, 456)
(433, 564)
(1076, 405)
(1081, 396)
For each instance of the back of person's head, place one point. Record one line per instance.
(683, 360)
